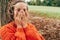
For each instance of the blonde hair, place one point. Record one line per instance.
(11, 10)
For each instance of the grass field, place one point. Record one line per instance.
(53, 12)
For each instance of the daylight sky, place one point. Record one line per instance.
(30, 0)
(27, 0)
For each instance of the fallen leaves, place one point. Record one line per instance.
(48, 27)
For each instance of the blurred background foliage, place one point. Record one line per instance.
(45, 2)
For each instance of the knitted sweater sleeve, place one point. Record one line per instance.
(7, 33)
(32, 33)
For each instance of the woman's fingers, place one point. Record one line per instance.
(21, 17)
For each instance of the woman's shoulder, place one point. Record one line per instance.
(6, 27)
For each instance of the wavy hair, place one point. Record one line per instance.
(11, 10)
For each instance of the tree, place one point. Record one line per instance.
(3, 11)
(0, 12)
(51, 2)
(38, 2)
(56, 2)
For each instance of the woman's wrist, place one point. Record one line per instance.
(19, 26)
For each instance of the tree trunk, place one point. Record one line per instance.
(0, 13)
(3, 12)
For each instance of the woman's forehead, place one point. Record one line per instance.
(20, 5)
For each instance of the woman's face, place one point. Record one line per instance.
(21, 9)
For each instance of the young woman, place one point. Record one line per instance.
(20, 28)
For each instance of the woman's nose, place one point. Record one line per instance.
(21, 11)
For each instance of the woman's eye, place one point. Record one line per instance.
(18, 10)
(24, 9)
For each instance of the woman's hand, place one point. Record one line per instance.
(20, 19)
(17, 18)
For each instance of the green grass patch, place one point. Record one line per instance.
(52, 12)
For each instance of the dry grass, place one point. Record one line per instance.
(48, 27)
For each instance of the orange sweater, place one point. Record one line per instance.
(10, 32)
